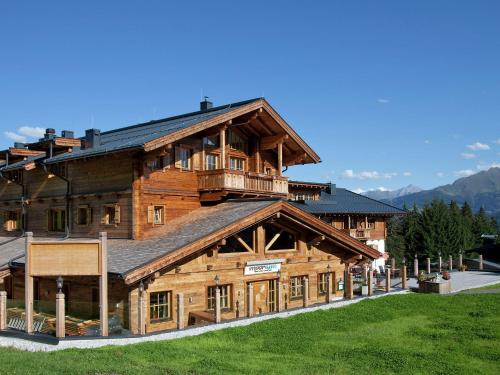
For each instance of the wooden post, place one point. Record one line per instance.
(460, 261)
(428, 265)
(328, 287)
(279, 294)
(280, 159)
(222, 141)
(28, 286)
(450, 263)
(3, 310)
(440, 263)
(180, 311)
(481, 266)
(141, 313)
(415, 267)
(349, 288)
(305, 291)
(217, 304)
(404, 282)
(249, 299)
(60, 316)
(388, 279)
(370, 281)
(393, 264)
(103, 284)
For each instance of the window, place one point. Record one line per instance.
(153, 165)
(322, 283)
(278, 238)
(211, 162)
(110, 214)
(12, 221)
(269, 171)
(241, 242)
(185, 158)
(161, 162)
(211, 141)
(224, 297)
(158, 215)
(296, 284)
(57, 220)
(84, 215)
(371, 223)
(236, 142)
(160, 306)
(236, 164)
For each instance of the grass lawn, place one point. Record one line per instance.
(407, 334)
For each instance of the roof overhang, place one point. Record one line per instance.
(343, 240)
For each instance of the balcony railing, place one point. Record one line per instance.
(225, 179)
(359, 233)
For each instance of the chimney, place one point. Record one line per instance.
(331, 189)
(205, 105)
(92, 138)
(19, 145)
(50, 133)
(67, 134)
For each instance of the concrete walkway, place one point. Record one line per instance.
(467, 280)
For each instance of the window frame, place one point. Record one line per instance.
(115, 207)
(162, 214)
(294, 295)
(207, 164)
(88, 215)
(322, 283)
(8, 220)
(156, 307)
(237, 159)
(51, 220)
(224, 296)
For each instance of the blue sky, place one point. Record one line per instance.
(387, 92)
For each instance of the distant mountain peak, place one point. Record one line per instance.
(392, 194)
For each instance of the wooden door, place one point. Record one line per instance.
(264, 296)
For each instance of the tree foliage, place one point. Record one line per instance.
(436, 229)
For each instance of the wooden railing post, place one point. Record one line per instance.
(370, 281)
(404, 281)
(440, 262)
(415, 267)
(349, 288)
(3, 310)
(249, 299)
(450, 263)
(60, 316)
(180, 311)
(428, 265)
(328, 287)
(388, 279)
(481, 265)
(217, 304)
(305, 291)
(460, 260)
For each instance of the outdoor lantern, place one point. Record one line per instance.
(279, 274)
(329, 268)
(217, 280)
(59, 282)
(141, 287)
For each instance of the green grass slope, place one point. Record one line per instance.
(404, 334)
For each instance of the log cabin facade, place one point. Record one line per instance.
(195, 209)
(360, 217)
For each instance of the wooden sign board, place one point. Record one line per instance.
(65, 258)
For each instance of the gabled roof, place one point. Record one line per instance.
(150, 135)
(347, 202)
(134, 259)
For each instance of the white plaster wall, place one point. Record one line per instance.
(380, 246)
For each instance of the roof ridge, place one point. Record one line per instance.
(374, 200)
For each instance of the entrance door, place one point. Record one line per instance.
(264, 296)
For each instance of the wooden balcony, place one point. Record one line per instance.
(242, 182)
(360, 234)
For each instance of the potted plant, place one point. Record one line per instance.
(446, 275)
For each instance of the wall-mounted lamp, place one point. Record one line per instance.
(60, 283)
(217, 280)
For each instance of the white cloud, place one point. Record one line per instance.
(32, 131)
(15, 137)
(468, 155)
(427, 142)
(368, 175)
(359, 191)
(478, 146)
(485, 167)
(440, 174)
(383, 101)
(407, 174)
(464, 172)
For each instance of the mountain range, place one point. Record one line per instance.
(479, 190)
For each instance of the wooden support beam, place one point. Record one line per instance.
(243, 243)
(271, 142)
(305, 291)
(60, 316)
(388, 279)
(217, 304)
(280, 159)
(273, 240)
(3, 310)
(404, 281)
(249, 299)
(180, 311)
(316, 240)
(222, 143)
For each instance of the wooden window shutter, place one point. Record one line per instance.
(178, 163)
(117, 214)
(103, 215)
(89, 215)
(151, 214)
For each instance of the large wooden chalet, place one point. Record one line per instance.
(191, 204)
(361, 217)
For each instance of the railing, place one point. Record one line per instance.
(225, 179)
(359, 233)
